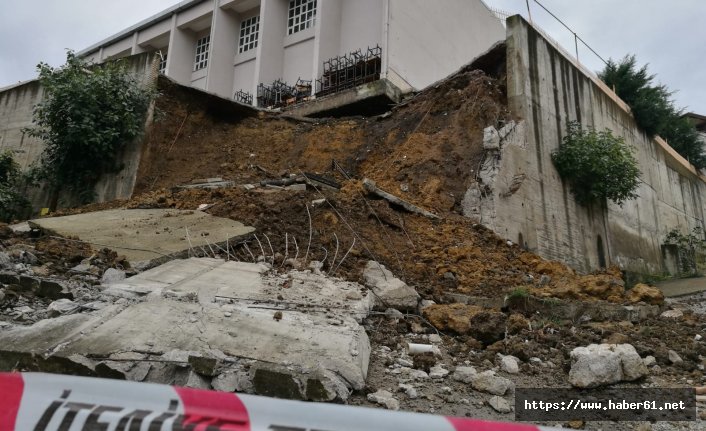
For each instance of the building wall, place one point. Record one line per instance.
(16, 106)
(546, 89)
(428, 40)
(423, 41)
(362, 26)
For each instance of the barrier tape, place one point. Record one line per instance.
(48, 402)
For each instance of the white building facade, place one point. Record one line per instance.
(230, 47)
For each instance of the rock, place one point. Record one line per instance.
(29, 284)
(232, 381)
(491, 139)
(486, 326)
(112, 275)
(435, 339)
(464, 374)
(61, 307)
(409, 390)
(318, 202)
(605, 364)
(644, 293)
(385, 399)
(649, 361)
(197, 381)
(9, 279)
(510, 364)
(5, 261)
(394, 314)
(672, 314)
(488, 382)
(28, 258)
(389, 291)
(499, 404)
(404, 362)
(204, 365)
(438, 372)
(674, 358)
(417, 374)
(2, 295)
(697, 337)
(53, 290)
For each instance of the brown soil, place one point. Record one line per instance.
(426, 151)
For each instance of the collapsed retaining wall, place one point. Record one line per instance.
(526, 200)
(16, 107)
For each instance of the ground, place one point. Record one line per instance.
(492, 297)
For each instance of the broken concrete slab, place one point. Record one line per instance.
(317, 350)
(146, 235)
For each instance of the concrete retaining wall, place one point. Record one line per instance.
(16, 106)
(530, 203)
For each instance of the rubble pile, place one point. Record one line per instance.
(361, 281)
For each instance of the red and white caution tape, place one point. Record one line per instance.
(47, 402)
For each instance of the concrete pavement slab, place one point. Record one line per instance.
(146, 236)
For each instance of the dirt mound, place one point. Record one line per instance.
(426, 151)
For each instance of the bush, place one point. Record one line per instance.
(88, 114)
(597, 165)
(690, 247)
(12, 202)
(653, 108)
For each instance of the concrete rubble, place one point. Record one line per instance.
(605, 364)
(317, 351)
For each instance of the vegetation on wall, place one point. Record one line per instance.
(88, 114)
(597, 165)
(691, 248)
(13, 202)
(653, 107)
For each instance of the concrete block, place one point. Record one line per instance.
(390, 291)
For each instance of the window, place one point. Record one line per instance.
(202, 46)
(302, 15)
(249, 30)
(162, 63)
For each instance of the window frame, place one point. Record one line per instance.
(203, 47)
(248, 38)
(301, 15)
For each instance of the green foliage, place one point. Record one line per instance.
(88, 114)
(12, 202)
(597, 165)
(690, 246)
(653, 108)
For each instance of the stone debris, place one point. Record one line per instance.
(647, 294)
(672, 314)
(487, 381)
(509, 364)
(389, 291)
(438, 372)
(385, 399)
(464, 374)
(112, 275)
(61, 307)
(605, 364)
(409, 390)
(674, 358)
(499, 404)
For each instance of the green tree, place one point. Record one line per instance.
(597, 165)
(88, 114)
(13, 203)
(653, 107)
